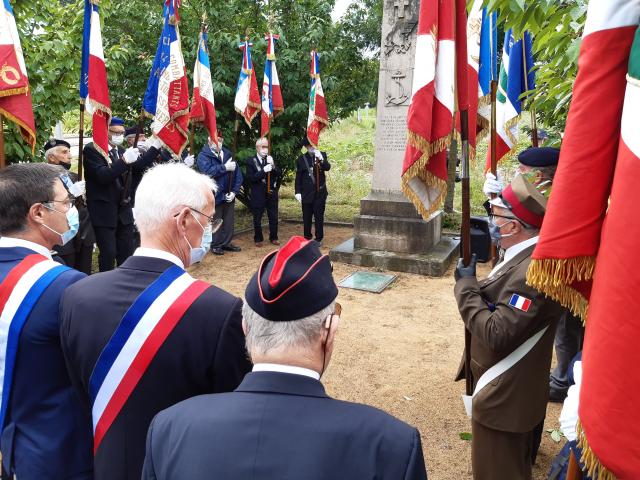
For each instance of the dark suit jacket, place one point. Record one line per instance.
(258, 180)
(106, 183)
(517, 400)
(46, 434)
(204, 353)
(85, 235)
(279, 426)
(210, 163)
(307, 171)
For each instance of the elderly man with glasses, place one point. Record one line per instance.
(512, 328)
(45, 432)
(147, 335)
(280, 423)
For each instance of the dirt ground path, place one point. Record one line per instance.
(398, 351)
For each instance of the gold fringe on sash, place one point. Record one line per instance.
(554, 276)
(595, 469)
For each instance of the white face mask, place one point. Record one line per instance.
(196, 254)
(264, 151)
(117, 139)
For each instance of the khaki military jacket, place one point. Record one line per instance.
(516, 401)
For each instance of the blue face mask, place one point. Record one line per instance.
(494, 232)
(198, 253)
(207, 239)
(73, 219)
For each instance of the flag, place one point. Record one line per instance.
(247, 101)
(15, 95)
(516, 78)
(203, 107)
(167, 97)
(94, 89)
(318, 116)
(272, 104)
(430, 117)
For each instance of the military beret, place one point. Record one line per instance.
(116, 122)
(523, 200)
(292, 283)
(305, 142)
(56, 142)
(540, 157)
(132, 131)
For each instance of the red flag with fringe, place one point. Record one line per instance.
(430, 118)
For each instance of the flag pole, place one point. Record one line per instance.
(532, 108)
(81, 139)
(236, 129)
(269, 173)
(128, 174)
(3, 160)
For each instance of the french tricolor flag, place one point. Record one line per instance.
(519, 302)
(167, 95)
(203, 105)
(94, 90)
(318, 116)
(247, 102)
(272, 103)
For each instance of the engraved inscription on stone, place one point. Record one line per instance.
(399, 7)
(398, 90)
(392, 133)
(402, 18)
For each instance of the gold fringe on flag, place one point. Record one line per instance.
(595, 469)
(14, 91)
(554, 276)
(30, 136)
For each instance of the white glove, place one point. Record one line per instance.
(492, 185)
(267, 168)
(230, 166)
(189, 160)
(270, 160)
(229, 197)
(78, 189)
(299, 197)
(318, 155)
(131, 155)
(153, 142)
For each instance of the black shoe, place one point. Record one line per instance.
(557, 396)
(217, 251)
(231, 248)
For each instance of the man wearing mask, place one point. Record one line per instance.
(109, 189)
(45, 432)
(147, 335)
(217, 162)
(264, 176)
(77, 253)
(311, 188)
(512, 328)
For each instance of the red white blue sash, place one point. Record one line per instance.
(134, 344)
(19, 292)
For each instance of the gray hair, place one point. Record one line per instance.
(264, 335)
(261, 139)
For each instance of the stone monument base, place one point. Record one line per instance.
(390, 235)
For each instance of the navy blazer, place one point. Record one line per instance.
(305, 183)
(280, 426)
(257, 177)
(204, 353)
(209, 163)
(46, 433)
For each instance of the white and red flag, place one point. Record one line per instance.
(430, 118)
(247, 101)
(167, 97)
(318, 116)
(203, 107)
(272, 103)
(15, 95)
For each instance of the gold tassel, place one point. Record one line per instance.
(595, 469)
(14, 91)
(554, 276)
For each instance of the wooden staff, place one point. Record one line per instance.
(269, 173)
(3, 160)
(532, 108)
(81, 139)
(192, 132)
(574, 472)
(128, 175)
(236, 129)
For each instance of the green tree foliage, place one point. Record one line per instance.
(51, 33)
(556, 27)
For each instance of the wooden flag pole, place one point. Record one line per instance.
(269, 173)
(494, 132)
(3, 160)
(236, 130)
(532, 109)
(81, 139)
(128, 174)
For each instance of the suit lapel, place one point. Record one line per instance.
(513, 263)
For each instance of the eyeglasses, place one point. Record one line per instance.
(69, 202)
(215, 223)
(493, 216)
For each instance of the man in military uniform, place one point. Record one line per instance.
(512, 328)
(217, 162)
(311, 188)
(264, 177)
(78, 253)
(280, 423)
(109, 199)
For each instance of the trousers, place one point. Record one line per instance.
(497, 455)
(115, 245)
(271, 206)
(314, 212)
(223, 236)
(568, 343)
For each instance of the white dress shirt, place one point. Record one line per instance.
(10, 242)
(274, 367)
(511, 252)
(161, 254)
(569, 415)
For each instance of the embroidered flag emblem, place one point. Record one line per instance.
(520, 303)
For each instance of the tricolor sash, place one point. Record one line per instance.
(134, 344)
(19, 292)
